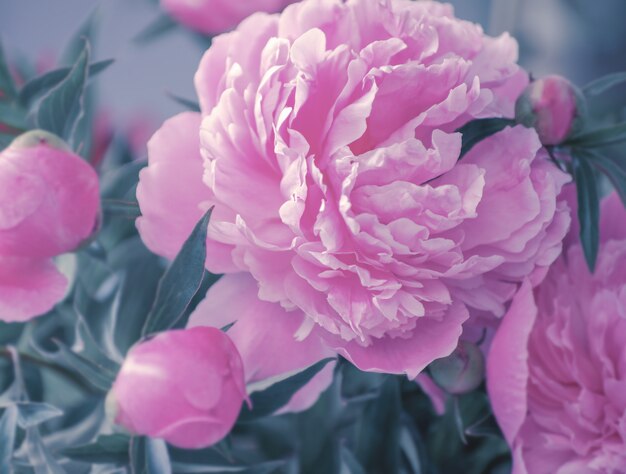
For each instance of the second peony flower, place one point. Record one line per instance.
(327, 143)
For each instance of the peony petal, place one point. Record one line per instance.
(507, 370)
(430, 340)
(28, 288)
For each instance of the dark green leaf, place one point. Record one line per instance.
(601, 137)
(477, 130)
(8, 424)
(42, 84)
(487, 426)
(350, 462)
(378, 430)
(158, 27)
(31, 414)
(603, 84)
(39, 458)
(62, 108)
(107, 449)
(181, 281)
(276, 396)
(258, 468)
(13, 116)
(119, 208)
(7, 85)
(613, 168)
(588, 210)
(186, 103)
(96, 375)
(149, 456)
(86, 32)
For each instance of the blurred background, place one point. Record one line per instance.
(581, 39)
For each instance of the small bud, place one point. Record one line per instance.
(184, 386)
(554, 107)
(460, 372)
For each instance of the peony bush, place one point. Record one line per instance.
(377, 244)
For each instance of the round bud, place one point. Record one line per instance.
(460, 372)
(554, 107)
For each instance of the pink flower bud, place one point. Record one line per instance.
(49, 205)
(184, 386)
(49, 197)
(554, 107)
(460, 372)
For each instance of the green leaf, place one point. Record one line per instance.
(603, 84)
(93, 373)
(62, 108)
(42, 84)
(149, 456)
(107, 449)
(276, 396)
(8, 424)
(120, 208)
(613, 168)
(31, 414)
(258, 468)
(188, 104)
(378, 430)
(588, 209)
(479, 129)
(157, 28)
(599, 138)
(86, 32)
(7, 85)
(13, 116)
(350, 462)
(181, 281)
(39, 458)
(487, 426)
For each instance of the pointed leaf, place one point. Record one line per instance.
(613, 168)
(601, 137)
(85, 32)
(276, 396)
(8, 424)
(39, 458)
(350, 462)
(149, 456)
(61, 109)
(106, 449)
(181, 281)
(93, 373)
(188, 104)
(42, 84)
(603, 84)
(158, 27)
(31, 414)
(13, 116)
(7, 85)
(479, 129)
(378, 430)
(588, 210)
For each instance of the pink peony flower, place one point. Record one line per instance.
(49, 205)
(216, 16)
(554, 107)
(185, 386)
(556, 373)
(327, 144)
